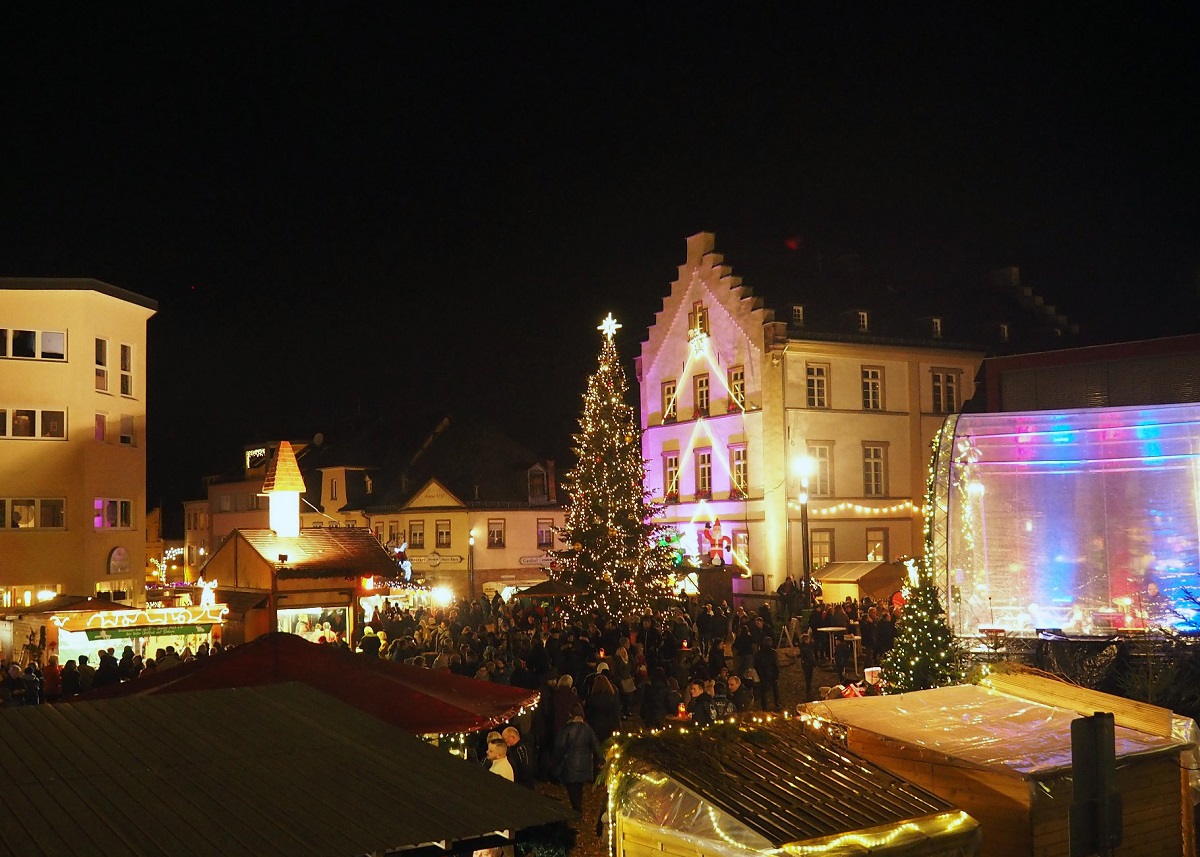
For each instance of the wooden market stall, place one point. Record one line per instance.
(729, 791)
(858, 580)
(1003, 753)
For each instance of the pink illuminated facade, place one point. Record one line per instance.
(733, 395)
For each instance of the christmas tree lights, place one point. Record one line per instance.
(926, 653)
(613, 550)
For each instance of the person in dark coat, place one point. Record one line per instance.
(577, 755)
(70, 680)
(520, 756)
(766, 664)
(603, 708)
(655, 705)
(808, 662)
(700, 704)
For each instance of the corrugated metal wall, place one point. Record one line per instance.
(1168, 379)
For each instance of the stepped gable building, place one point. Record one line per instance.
(823, 408)
(72, 440)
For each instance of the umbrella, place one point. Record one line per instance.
(416, 700)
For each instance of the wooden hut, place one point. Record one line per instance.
(731, 792)
(1003, 753)
(858, 580)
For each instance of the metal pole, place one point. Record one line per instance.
(807, 550)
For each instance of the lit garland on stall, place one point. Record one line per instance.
(614, 552)
(925, 654)
(456, 742)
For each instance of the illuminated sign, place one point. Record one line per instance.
(209, 614)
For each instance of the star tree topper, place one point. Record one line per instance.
(609, 326)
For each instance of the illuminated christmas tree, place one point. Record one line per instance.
(925, 653)
(613, 550)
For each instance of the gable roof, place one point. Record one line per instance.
(77, 284)
(419, 701)
(321, 552)
(275, 771)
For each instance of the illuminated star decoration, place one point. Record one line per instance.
(609, 326)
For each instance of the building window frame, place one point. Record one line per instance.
(101, 357)
(816, 385)
(671, 476)
(495, 533)
(821, 547)
(112, 513)
(669, 401)
(874, 461)
(442, 533)
(127, 436)
(416, 533)
(797, 315)
(738, 471)
(126, 366)
(33, 513)
(877, 544)
(737, 388)
(704, 473)
(864, 321)
(946, 385)
(821, 483)
(701, 392)
(872, 388)
(545, 533)
(936, 324)
(698, 319)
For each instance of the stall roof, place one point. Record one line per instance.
(320, 552)
(69, 604)
(414, 699)
(551, 589)
(981, 727)
(259, 772)
(852, 572)
(785, 785)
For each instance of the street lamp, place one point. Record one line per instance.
(471, 567)
(804, 467)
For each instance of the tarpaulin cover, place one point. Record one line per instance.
(416, 700)
(981, 727)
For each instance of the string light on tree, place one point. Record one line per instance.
(615, 553)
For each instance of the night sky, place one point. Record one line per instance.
(420, 209)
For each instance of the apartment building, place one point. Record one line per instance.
(72, 440)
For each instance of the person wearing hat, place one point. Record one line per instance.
(577, 754)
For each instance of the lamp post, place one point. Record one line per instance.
(804, 465)
(471, 567)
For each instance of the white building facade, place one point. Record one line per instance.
(734, 398)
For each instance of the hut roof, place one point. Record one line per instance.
(981, 727)
(784, 784)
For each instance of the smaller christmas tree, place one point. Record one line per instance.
(925, 653)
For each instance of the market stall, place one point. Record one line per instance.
(858, 580)
(732, 792)
(1005, 757)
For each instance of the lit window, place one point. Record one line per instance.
(877, 545)
(54, 424)
(821, 483)
(797, 315)
(443, 534)
(737, 388)
(102, 365)
(817, 383)
(737, 470)
(937, 328)
(872, 388)
(874, 470)
(698, 318)
(864, 322)
(416, 534)
(109, 514)
(24, 423)
(701, 396)
(495, 532)
(671, 475)
(22, 514)
(545, 532)
(820, 543)
(668, 401)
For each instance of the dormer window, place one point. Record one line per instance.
(538, 483)
(698, 320)
(937, 328)
(1004, 331)
(864, 321)
(797, 315)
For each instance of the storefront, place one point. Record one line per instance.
(84, 632)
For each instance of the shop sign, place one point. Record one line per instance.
(210, 614)
(434, 559)
(144, 631)
(540, 559)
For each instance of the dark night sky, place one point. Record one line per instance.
(421, 209)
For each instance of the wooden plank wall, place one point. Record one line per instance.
(1126, 712)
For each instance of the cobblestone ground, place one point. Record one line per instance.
(791, 692)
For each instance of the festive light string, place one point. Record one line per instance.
(847, 506)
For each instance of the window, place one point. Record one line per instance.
(54, 345)
(29, 422)
(545, 532)
(394, 533)
(253, 501)
(741, 546)
(945, 391)
(698, 319)
(416, 534)
(33, 513)
(872, 388)
(538, 484)
(668, 401)
(820, 546)
(126, 437)
(1003, 332)
(817, 380)
(225, 503)
(378, 530)
(737, 471)
(333, 489)
(937, 328)
(671, 475)
(864, 322)
(877, 545)
(701, 396)
(24, 343)
(101, 428)
(821, 484)
(126, 369)
(737, 388)
(495, 532)
(443, 534)
(112, 514)
(797, 315)
(874, 469)
(102, 365)
(704, 474)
